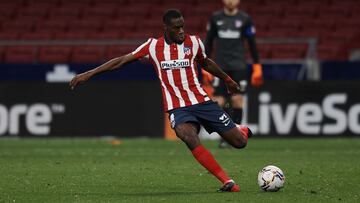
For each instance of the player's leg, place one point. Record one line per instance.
(215, 119)
(188, 133)
(225, 104)
(237, 108)
(237, 136)
(221, 97)
(219, 92)
(187, 128)
(237, 99)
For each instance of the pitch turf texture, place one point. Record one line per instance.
(146, 170)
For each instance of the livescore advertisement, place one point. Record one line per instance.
(41, 109)
(134, 108)
(329, 108)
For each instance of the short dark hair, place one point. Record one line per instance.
(171, 14)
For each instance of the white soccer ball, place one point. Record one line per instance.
(271, 178)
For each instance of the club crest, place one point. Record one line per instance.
(238, 23)
(187, 51)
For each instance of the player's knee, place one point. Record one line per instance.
(240, 143)
(191, 141)
(186, 137)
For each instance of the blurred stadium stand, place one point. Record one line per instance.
(298, 40)
(334, 23)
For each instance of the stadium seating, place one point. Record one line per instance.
(54, 54)
(308, 11)
(72, 35)
(18, 26)
(87, 54)
(7, 11)
(20, 54)
(126, 24)
(332, 22)
(2, 52)
(36, 35)
(116, 51)
(33, 12)
(51, 26)
(288, 51)
(330, 52)
(99, 12)
(105, 35)
(264, 51)
(9, 35)
(65, 12)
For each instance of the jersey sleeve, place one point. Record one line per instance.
(250, 35)
(142, 50)
(249, 28)
(200, 55)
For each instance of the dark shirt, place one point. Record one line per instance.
(230, 33)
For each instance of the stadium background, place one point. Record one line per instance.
(310, 54)
(43, 43)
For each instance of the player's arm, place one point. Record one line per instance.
(256, 76)
(210, 35)
(115, 63)
(253, 49)
(211, 67)
(108, 66)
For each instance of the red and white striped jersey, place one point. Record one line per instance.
(175, 65)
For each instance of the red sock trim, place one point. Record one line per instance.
(204, 157)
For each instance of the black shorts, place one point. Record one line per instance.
(208, 114)
(239, 76)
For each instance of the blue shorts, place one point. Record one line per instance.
(208, 114)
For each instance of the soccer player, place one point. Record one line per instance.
(230, 28)
(174, 58)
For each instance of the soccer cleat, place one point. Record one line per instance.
(230, 186)
(245, 131)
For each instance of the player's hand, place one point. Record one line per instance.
(232, 86)
(79, 79)
(257, 76)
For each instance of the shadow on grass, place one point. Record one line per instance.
(154, 194)
(149, 194)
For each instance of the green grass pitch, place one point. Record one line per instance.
(155, 170)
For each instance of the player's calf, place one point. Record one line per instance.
(235, 138)
(238, 136)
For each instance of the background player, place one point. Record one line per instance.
(230, 28)
(188, 105)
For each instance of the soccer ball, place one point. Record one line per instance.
(271, 178)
